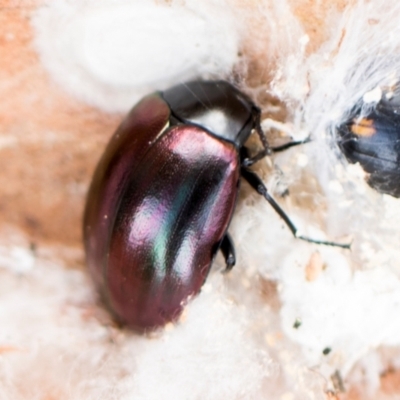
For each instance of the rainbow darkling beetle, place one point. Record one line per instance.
(372, 138)
(163, 195)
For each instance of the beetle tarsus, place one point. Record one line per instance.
(256, 183)
(228, 250)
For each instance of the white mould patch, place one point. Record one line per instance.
(55, 335)
(339, 309)
(111, 53)
(18, 259)
(213, 326)
(373, 96)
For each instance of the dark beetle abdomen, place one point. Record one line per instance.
(174, 212)
(373, 140)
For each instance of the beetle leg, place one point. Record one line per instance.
(268, 150)
(288, 145)
(256, 183)
(248, 161)
(228, 251)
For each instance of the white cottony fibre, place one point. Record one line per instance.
(261, 331)
(349, 305)
(54, 335)
(352, 306)
(111, 53)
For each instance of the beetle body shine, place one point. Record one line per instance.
(162, 198)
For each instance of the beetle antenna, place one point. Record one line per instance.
(256, 183)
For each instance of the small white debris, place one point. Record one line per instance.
(373, 96)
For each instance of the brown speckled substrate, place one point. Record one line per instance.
(49, 142)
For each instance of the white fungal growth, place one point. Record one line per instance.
(111, 53)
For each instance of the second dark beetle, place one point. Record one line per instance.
(163, 195)
(372, 139)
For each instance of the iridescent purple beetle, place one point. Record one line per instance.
(163, 195)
